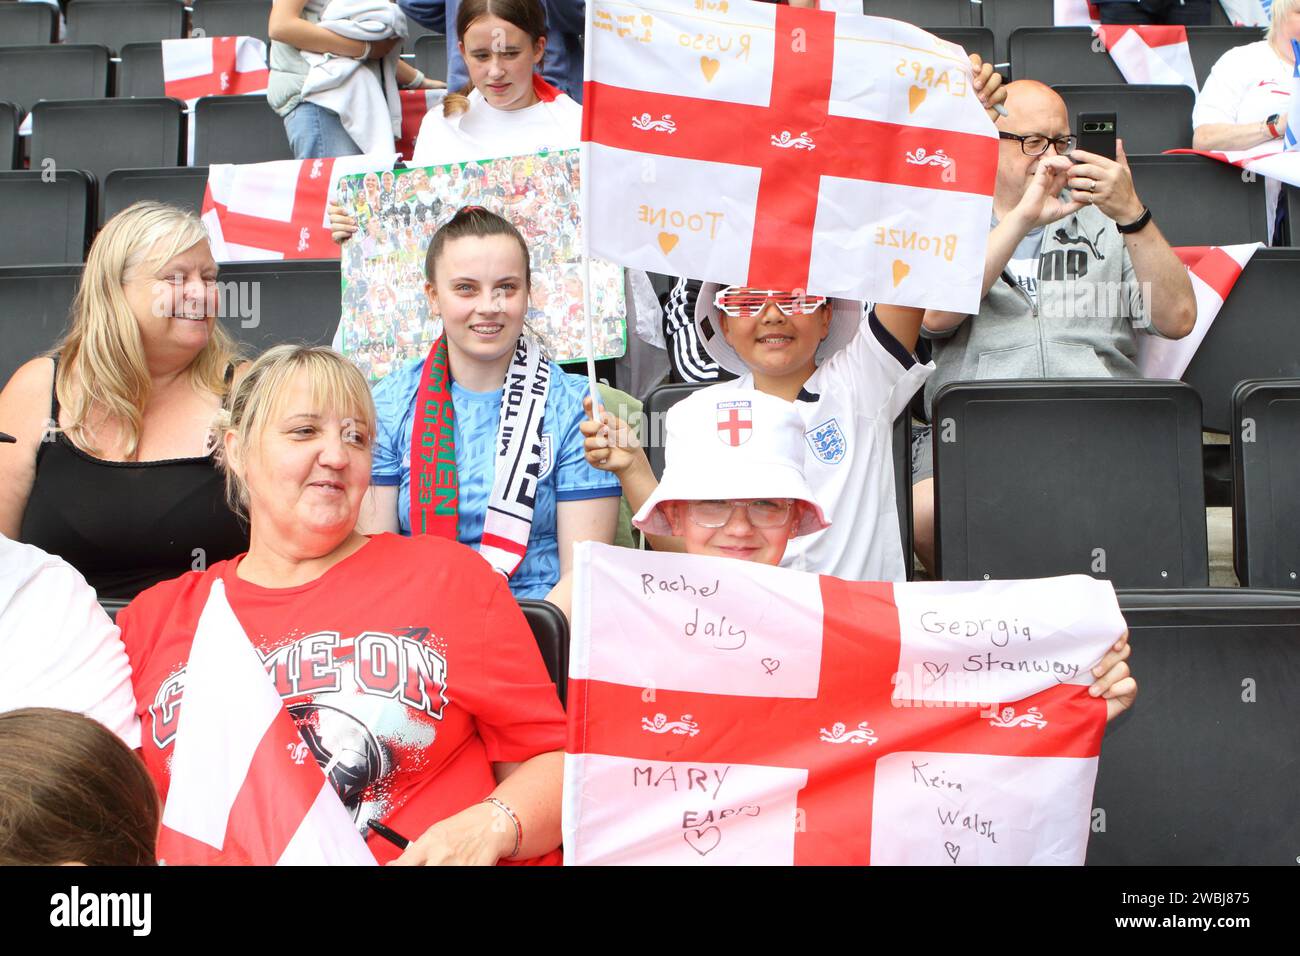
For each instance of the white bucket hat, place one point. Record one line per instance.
(846, 316)
(725, 443)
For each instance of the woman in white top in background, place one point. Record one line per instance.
(1245, 100)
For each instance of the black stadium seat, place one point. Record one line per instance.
(431, 56)
(238, 129)
(116, 23)
(1005, 16)
(45, 216)
(1151, 117)
(653, 436)
(231, 18)
(59, 71)
(1253, 336)
(1201, 772)
(414, 34)
(657, 404)
(10, 155)
(925, 13)
(1266, 483)
(1207, 44)
(24, 23)
(265, 303)
(1100, 477)
(179, 185)
(140, 73)
(296, 300)
(971, 39)
(34, 305)
(102, 135)
(1055, 55)
(1197, 201)
(551, 631)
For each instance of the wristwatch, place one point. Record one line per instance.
(1138, 224)
(1271, 123)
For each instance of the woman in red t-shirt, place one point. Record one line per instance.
(405, 663)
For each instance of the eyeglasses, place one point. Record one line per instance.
(739, 302)
(1036, 145)
(762, 512)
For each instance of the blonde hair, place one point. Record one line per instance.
(1280, 10)
(336, 385)
(101, 361)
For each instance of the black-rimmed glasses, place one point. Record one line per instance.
(1036, 145)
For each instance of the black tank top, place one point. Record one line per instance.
(126, 525)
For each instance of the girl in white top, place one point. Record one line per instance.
(507, 108)
(1249, 85)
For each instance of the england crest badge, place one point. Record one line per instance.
(828, 442)
(735, 422)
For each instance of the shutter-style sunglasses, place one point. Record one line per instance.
(739, 302)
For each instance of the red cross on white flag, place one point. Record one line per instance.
(1150, 54)
(1214, 270)
(213, 66)
(277, 210)
(722, 712)
(786, 148)
(243, 791)
(1074, 13)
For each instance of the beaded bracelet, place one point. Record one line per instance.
(519, 830)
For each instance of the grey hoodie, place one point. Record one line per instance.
(1089, 314)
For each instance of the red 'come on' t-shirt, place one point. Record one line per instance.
(408, 668)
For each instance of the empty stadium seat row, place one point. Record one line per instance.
(98, 136)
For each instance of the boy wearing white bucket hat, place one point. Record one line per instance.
(733, 484)
(774, 340)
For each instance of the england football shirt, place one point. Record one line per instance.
(848, 408)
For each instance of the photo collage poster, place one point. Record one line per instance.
(386, 319)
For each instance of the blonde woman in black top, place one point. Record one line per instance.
(112, 469)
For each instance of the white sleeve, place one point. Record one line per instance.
(61, 650)
(881, 374)
(1225, 88)
(431, 140)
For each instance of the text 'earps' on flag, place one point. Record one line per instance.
(722, 712)
(755, 144)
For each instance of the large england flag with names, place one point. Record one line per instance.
(722, 712)
(773, 146)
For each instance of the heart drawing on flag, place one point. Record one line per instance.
(915, 97)
(770, 664)
(709, 67)
(934, 670)
(702, 841)
(954, 851)
(667, 241)
(901, 269)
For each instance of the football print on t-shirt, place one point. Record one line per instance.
(339, 691)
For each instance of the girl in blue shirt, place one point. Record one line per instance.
(519, 491)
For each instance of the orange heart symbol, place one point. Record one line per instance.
(915, 97)
(901, 269)
(668, 242)
(709, 66)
